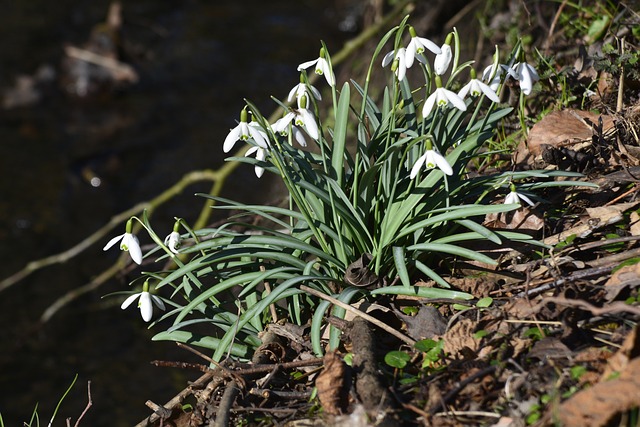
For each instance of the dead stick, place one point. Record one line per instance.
(359, 313)
(223, 414)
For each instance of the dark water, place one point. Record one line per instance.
(196, 61)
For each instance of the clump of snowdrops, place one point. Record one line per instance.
(374, 200)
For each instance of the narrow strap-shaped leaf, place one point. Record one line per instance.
(401, 265)
(340, 133)
(453, 250)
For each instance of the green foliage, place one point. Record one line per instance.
(397, 359)
(367, 191)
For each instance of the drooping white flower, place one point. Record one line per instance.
(493, 78)
(144, 303)
(431, 159)
(173, 241)
(442, 60)
(301, 89)
(243, 131)
(416, 47)
(398, 59)
(281, 126)
(300, 117)
(321, 67)
(476, 87)
(261, 154)
(440, 97)
(526, 75)
(515, 197)
(128, 243)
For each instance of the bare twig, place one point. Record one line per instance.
(223, 414)
(359, 313)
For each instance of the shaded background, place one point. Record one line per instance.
(196, 61)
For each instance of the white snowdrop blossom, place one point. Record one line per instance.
(302, 89)
(431, 159)
(417, 46)
(261, 154)
(145, 304)
(494, 78)
(526, 75)
(243, 131)
(441, 97)
(321, 68)
(281, 126)
(300, 117)
(128, 243)
(173, 241)
(476, 87)
(515, 197)
(398, 59)
(442, 60)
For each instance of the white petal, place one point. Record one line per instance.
(323, 66)
(402, 65)
(417, 165)
(146, 308)
(129, 300)
(307, 64)
(465, 89)
(454, 99)
(231, 139)
(113, 242)
(428, 44)
(442, 163)
(442, 61)
(258, 135)
(310, 124)
(526, 199)
(293, 92)
(298, 136)
(388, 58)
(315, 92)
(428, 105)
(410, 54)
(282, 124)
(131, 244)
(490, 93)
(511, 198)
(158, 302)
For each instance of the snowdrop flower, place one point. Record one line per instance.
(144, 302)
(300, 117)
(431, 159)
(416, 46)
(244, 131)
(261, 154)
(322, 67)
(442, 96)
(303, 89)
(515, 197)
(443, 59)
(526, 75)
(493, 75)
(281, 126)
(173, 241)
(128, 243)
(476, 87)
(399, 59)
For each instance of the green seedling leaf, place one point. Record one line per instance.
(484, 302)
(397, 359)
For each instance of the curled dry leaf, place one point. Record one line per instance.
(332, 385)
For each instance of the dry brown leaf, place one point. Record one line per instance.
(332, 385)
(634, 220)
(630, 350)
(601, 403)
(626, 277)
(561, 129)
(459, 340)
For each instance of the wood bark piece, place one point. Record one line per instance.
(369, 386)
